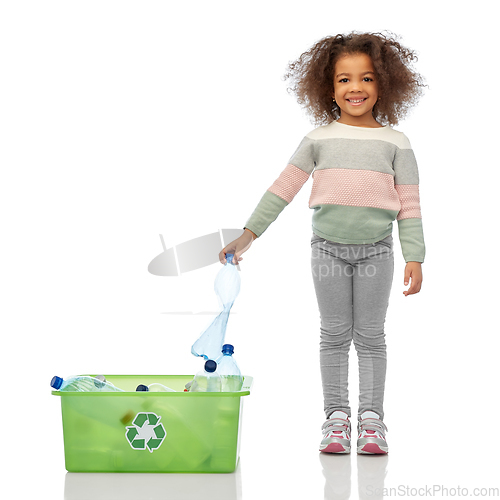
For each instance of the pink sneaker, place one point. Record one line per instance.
(336, 434)
(371, 434)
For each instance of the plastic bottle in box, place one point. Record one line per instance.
(83, 384)
(154, 388)
(231, 379)
(207, 380)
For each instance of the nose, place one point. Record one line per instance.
(355, 86)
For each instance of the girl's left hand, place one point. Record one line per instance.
(413, 270)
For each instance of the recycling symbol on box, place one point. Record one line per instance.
(146, 432)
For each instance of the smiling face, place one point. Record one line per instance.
(355, 90)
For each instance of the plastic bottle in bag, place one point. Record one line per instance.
(207, 380)
(227, 287)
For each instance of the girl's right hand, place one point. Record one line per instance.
(237, 247)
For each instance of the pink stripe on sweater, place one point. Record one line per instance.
(288, 184)
(358, 188)
(410, 201)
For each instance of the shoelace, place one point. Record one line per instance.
(336, 424)
(372, 424)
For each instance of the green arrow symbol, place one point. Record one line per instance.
(131, 433)
(140, 419)
(138, 443)
(153, 419)
(153, 444)
(159, 431)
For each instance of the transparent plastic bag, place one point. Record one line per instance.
(227, 287)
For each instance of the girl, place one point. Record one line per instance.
(365, 175)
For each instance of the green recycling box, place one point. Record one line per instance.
(152, 431)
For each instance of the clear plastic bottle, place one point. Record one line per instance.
(207, 380)
(154, 388)
(230, 374)
(227, 287)
(83, 384)
(159, 388)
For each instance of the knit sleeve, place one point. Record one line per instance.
(409, 218)
(284, 188)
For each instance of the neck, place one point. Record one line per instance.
(366, 122)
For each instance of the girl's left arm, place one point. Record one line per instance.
(411, 236)
(409, 218)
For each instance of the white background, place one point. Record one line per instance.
(125, 120)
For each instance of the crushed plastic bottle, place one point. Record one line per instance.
(207, 380)
(159, 388)
(83, 384)
(227, 287)
(230, 374)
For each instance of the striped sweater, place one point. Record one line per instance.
(363, 179)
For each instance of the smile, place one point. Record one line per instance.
(356, 102)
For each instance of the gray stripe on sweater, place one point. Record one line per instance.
(383, 156)
(304, 156)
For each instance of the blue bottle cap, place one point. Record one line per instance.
(227, 349)
(142, 387)
(56, 382)
(210, 366)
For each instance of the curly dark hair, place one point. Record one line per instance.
(399, 87)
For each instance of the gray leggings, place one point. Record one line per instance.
(353, 284)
